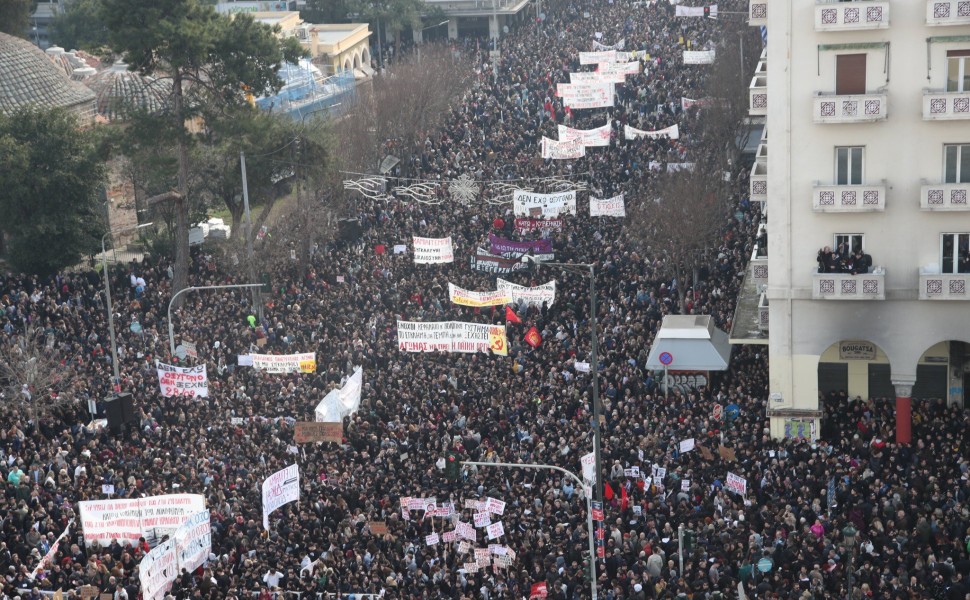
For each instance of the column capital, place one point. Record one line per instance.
(904, 386)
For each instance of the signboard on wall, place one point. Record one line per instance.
(857, 351)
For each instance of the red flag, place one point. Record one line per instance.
(608, 491)
(533, 338)
(511, 316)
(624, 499)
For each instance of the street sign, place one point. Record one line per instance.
(717, 412)
(733, 410)
(666, 358)
(765, 564)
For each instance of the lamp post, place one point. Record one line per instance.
(589, 507)
(422, 36)
(849, 534)
(116, 372)
(171, 326)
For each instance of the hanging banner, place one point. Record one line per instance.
(620, 45)
(598, 137)
(607, 207)
(451, 336)
(127, 520)
(557, 150)
(737, 484)
(595, 58)
(698, 57)
(477, 299)
(433, 251)
(532, 204)
(285, 363)
(631, 133)
(695, 11)
(530, 295)
(527, 226)
(500, 245)
(188, 382)
(486, 262)
(282, 487)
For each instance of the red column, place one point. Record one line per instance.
(904, 413)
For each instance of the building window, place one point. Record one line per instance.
(850, 74)
(956, 163)
(956, 252)
(848, 165)
(850, 242)
(958, 71)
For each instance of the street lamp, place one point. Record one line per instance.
(587, 269)
(171, 326)
(849, 534)
(116, 386)
(422, 36)
(589, 507)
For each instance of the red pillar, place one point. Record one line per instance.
(904, 413)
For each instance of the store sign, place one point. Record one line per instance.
(857, 351)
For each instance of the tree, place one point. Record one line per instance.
(51, 177)
(35, 373)
(79, 25)
(15, 16)
(325, 11)
(222, 58)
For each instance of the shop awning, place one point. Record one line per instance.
(692, 343)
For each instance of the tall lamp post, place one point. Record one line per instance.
(588, 269)
(171, 326)
(116, 372)
(589, 507)
(849, 534)
(423, 29)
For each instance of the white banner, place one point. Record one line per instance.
(698, 57)
(589, 467)
(157, 570)
(343, 401)
(595, 58)
(495, 530)
(632, 133)
(190, 382)
(433, 251)
(620, 45)
(451, 336)
(285, 363)
(737, 484)
(530, 295)
(695, 11)
(533, 204)
(187, 549)
(596, 77)
(557, 150)
(126, 520)
(282, 487)
(49, 557)
(599, 136)
(193, 541)
(586, 95)
(607, 207)
(621, 68)
(477, 299)
(686, 445)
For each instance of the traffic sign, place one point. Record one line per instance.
(666, 358)
(717, 412)
(765, 564)
(733, 410)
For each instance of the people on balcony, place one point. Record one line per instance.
(842, 260)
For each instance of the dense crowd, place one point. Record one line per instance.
(909, 503)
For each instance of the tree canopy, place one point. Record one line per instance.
(15, 16)
(79, 26)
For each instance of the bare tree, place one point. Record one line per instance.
(35, 373)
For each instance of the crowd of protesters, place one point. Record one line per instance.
(909, 503)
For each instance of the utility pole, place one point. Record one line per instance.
(257, 305)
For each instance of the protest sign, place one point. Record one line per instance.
(685, 485)
(482, 519)
(495, 530)
(587, 95)
(285, 363)
(193, 541)
(695, 11)
(429, 251)
(465, 297)
(607, 207)
(486, 262)
(451, 336)
(686, 445)
(595, 58)
(737, 484)
(557, 150)
(305, 432)
(726, 453)
(706, 454)
(188, 382)
(533, 204)
(538, 590)
(448, 537)
(588, 462)
(495, 506)
(191, 350)
(157, 570)
(470, 567)
(526, 226)
(699, 57)
(282, 487)
(500, 245)
(466, 531)
(597, 137)
(378, 527)
(431, 540)
(530, 295)
(632, 133)
(598, 76)
(127, 520)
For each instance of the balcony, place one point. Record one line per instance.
(945, 286)
(947, 12)
(829, 108)
(757, 12)
(945, 106)
(758, 96)
(944, 196)
(845, 286)
(849, 16)
(849, 198)
(763, 313)
(759, 269)
(759, 179)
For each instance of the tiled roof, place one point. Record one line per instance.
(119, 90)
(29, 77)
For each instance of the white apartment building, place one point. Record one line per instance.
(868, 122)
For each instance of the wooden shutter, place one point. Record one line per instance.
(850, 74)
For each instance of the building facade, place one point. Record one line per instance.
(868, 230)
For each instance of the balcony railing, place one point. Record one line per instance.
(946, 286)
(759, 180)
(944, 196)
(845, 16)
(845, 286)
(757, 12)
(849, 198)
(758, 96)
(947, 12)
(829, 108)
(939, 106)
(763, 312)
(759, 270)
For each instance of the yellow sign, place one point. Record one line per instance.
(308, 366)
(497, 342)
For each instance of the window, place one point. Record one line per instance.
(956, 252)
(848, 165)
(956, 163)
(850, 74)
(850, 242)
(958, 71)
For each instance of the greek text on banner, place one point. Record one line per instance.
(477, 299)
(451, 336)
(190, 382)
(285, 363)
(431, 251)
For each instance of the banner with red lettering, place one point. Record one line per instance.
(431, 251)
(607, 207)
(632, 133)
(282, 487)
(190, 382)
(126, 520)
(557, 150)
(599, 136)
